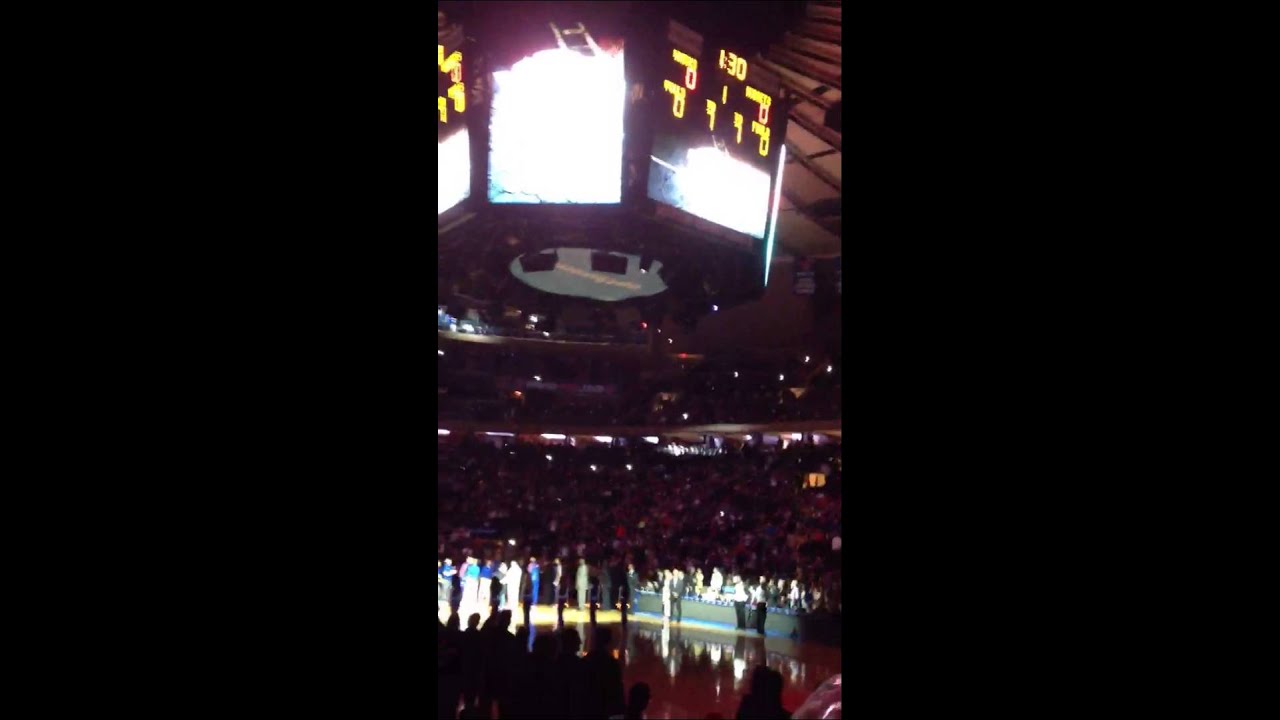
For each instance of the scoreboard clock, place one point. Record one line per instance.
(719, 134)
(452, 137)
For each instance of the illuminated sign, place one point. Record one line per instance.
(453, 165)
(719, 134)
(556, 122)
(454, 99)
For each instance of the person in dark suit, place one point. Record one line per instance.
(677, 596)
(759, 605)
(557, 577)
(740, 601)
(495, 592)
(633, 580)
(606, 586)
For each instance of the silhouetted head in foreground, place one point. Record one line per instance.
(570, 642)
(453, 623)
(544, 648)
(602, 639)
(637, 700)
(473, 621)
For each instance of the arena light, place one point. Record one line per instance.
(628, 467)
(537, 378)
(715, 308)
(603, 439)
(684, 415)
(781, 377)
(806, 359)
(511, 542)
(440, 353)
(500, 434)
(773, 221)
(796, 436)
(748, 438)
(552, 436)
(548, 458)
(828, 368)
(651, 439)
(441, 431)
(593, 468)
(735, 373)
(533, 319)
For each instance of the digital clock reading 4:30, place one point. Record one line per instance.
(736, 71)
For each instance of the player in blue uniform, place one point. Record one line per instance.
(535, 571)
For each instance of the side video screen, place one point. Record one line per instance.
(556, 122)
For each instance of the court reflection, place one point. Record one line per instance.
(693, 671)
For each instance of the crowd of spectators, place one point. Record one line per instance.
(742, 512)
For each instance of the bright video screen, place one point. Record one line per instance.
(454, 164)
(556, 122)
(718, 133)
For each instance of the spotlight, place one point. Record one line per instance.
(781, 377)
(828, 368)
(716, 308)
(806, 358)
(548, 458)
(593, 468)
(538, 378)
(512, 542)
(440, 353)
(628, 468)
(735, 373)
(684, 415)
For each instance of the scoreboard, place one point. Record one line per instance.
(452, 138)
(719, 135)
(578, 106)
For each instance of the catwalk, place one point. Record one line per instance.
(694, 669)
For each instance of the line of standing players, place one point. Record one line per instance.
(472, 586)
